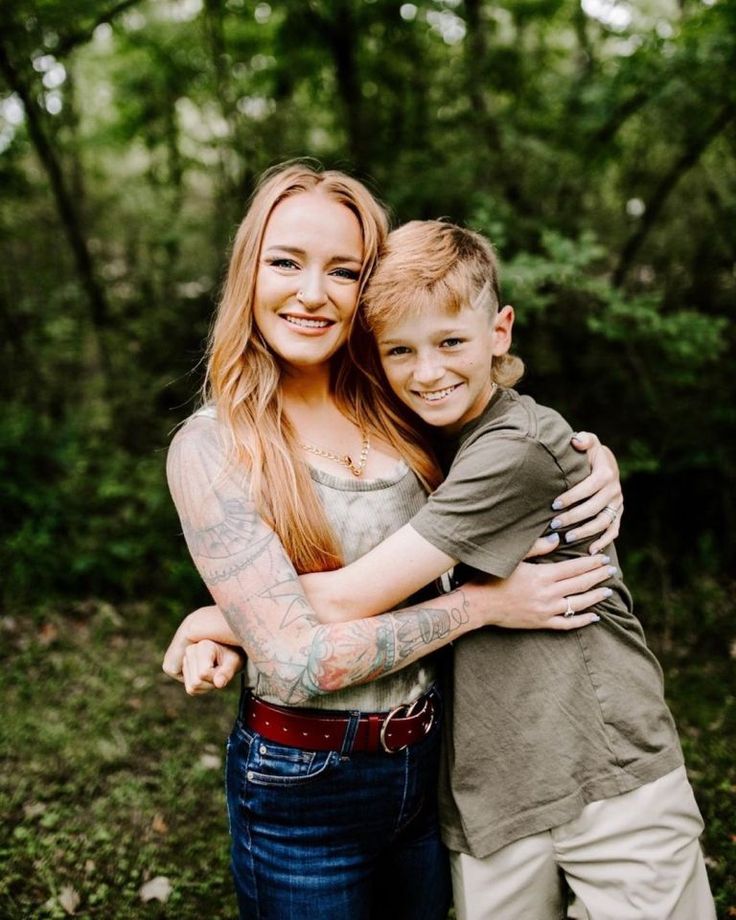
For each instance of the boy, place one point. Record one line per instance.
(561, 756)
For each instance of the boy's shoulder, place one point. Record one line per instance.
(519, 417)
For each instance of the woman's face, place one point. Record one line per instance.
(308, 278)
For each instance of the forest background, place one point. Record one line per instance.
(592, 141)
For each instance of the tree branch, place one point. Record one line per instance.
(72, 40)
(685, 162)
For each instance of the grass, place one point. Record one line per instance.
(112, 776)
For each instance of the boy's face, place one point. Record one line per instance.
(439, 363)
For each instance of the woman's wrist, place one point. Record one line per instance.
(478, 604)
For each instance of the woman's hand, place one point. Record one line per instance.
(550, 596)
(203, 623)
(209, 665)
(598, 499)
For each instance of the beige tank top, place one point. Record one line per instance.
(362, 514)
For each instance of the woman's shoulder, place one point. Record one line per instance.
(202, 430)
(200, 447)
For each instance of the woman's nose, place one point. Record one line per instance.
(312, 293)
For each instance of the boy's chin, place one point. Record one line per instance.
(436, 420)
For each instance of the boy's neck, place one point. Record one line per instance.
(455, 427)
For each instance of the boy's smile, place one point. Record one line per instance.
(439, 362)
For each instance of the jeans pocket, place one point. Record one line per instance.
(277, 765)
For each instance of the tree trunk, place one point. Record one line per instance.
(65, 204)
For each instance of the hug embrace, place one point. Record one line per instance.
(445, 692)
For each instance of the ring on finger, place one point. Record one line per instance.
(611, 512)
(568, 610)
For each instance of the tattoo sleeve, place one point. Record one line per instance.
(243, 564)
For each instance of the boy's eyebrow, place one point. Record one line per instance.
(296, 251)
(438, 333)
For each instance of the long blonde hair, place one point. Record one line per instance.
(243, 375)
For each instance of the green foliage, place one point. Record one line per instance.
(82, 518)
(595, 154)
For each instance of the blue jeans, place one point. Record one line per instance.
(344, 836)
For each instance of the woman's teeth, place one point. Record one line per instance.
(307, 323)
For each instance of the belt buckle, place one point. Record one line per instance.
(405, 710)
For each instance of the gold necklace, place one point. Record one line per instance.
(346, 459)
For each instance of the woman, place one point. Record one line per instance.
(300, 466)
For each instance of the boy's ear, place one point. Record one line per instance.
(502, 326)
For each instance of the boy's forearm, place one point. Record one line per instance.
(331, 598)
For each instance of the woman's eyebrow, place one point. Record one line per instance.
(296, 251)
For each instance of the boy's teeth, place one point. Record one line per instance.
(309, 323)
(436, 394)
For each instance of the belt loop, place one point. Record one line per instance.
(244, 697)
(350, 732)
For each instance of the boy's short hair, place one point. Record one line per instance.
(427, 263)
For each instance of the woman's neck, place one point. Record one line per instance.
(309, 388)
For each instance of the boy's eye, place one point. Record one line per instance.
(348, 273)
(396, 351)
(450, 343)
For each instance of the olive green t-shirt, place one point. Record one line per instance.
(539, 723)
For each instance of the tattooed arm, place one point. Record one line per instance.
(257, 589)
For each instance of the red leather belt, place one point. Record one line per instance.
(377, 731)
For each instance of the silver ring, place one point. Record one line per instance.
(569, 612)
(611, 512)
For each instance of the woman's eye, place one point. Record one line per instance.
(397, 351)
(283, 263)
(348, 273)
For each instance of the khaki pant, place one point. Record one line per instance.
(632, 857)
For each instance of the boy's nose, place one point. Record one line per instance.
(427, 370)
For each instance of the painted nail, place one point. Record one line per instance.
(557, 505)
(570, 536)
(607, 592)
(612, 570)
(606, 558)
(556, 523)
(596, 618)
(553, 538)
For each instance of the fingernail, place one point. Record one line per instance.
(596, 618)
(557, 505)
(612, 570)
(570, 536)
(556, 523)
(606, 558)
(553, 538)
(607, 592)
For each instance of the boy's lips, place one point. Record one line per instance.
(436, 395)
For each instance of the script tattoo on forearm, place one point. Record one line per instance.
(364, 650)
